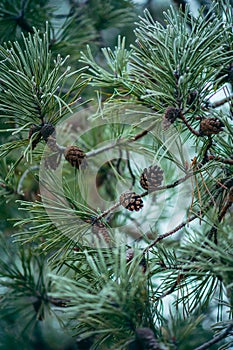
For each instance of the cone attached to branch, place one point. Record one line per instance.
(75, 156)
(146, 340)
(170, 115)
(211, 126)
(151, 178)
(131, 201)
(47, 130)
(48, 133)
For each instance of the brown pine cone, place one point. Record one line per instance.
(146, 339)
(131, 201)
(101, 231)
(172, 114)
(210, 126)
(151, 178)
(75, 156)
(48, 133)
(47, 130)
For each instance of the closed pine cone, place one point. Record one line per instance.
(131, 201)
(146, 339)
(75, 156)
(151, 178)
(47, 130)
(48, 133)
(210, 126)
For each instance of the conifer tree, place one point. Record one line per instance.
(116, 176)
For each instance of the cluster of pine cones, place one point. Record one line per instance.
(150, 180)
(73, 154)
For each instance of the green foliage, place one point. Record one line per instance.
(84, 263)
(108, 297)
(169, 63)
(32, 83)
(17, 17)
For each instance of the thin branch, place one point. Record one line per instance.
(116, 205)
(106, 212)
(114, 144)
(221, 102)
(226, 206)
(221, 160)
(169, 233)
(222, 213)
(121, 142)
(216, 339)
(173, 287)
(172, 185)
(58, 302)
(193, 131)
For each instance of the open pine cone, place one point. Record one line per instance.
(151, 178)
(131, 201)
(210, 126)
(75, 156)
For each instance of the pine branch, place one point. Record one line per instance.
(216, 339)
(221, 102)
(221, 160)
(122, 142)
(169, 233)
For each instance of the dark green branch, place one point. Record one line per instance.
(216, 339)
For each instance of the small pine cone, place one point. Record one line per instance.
(47, 130)
(210, 126)
(151, 178)
(100, 229)
(75, 156)
(49, 135)
(146, 339)
(131, 201)
(171, 114)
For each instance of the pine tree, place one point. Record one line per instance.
(116, 176)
